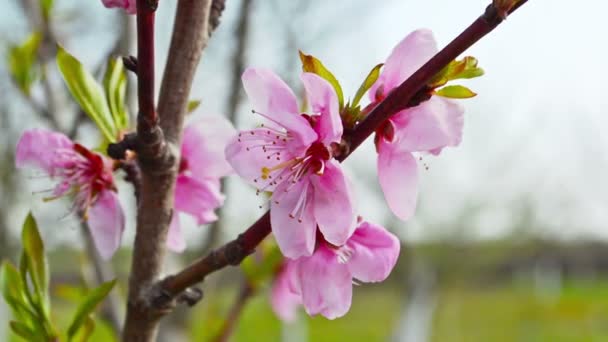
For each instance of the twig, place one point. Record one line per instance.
(235, 251)
(245, 293)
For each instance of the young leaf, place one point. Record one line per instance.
(24, 331)
(115, 86)
(12, 287)
(22, 62)
(193, 105)
(88, 305)
(369, 81)
(313, 65)
(455, 92)
(33, 251)
(87, 92)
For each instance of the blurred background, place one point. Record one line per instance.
(509, 239)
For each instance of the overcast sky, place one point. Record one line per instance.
(534, 137)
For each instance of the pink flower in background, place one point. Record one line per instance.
(130, 6)
(323, 282)
(82, 174)
(202, 164)
(428, 127)
(291, 155)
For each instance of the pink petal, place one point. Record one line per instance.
(326, 285)
(130, 6)
(408, 56)
(272, 98)
(196, 197)
(106, 221)
(203, 146)
(375, 253)
(207, 217)
(284, 296)
(295, 239)
(175, 238)
(398, 175)
(324, 101)
(333, 204)
(248, 164)
(432, 125)
(38, 147)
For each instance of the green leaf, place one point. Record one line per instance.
(87, 92)
(462, 69)
(13, 289)
(24, 331)
(456, 92)
(193, 105)
(115, 86)
(85, 332)
(37, 265)
(369, 81)
(312, 64)
(88, 305)
(22, 62)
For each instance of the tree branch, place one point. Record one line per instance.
(405, 95)
(156, 144)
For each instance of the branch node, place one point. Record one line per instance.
(190, 296)
(119, 150)
(130, 63)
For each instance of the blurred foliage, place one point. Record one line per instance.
(26, 291)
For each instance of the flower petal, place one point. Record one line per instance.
(196, 197)
(324, 101)
(333, 204)
(295, 238)
(430, 126)
(326, 285)
(39, 147)
(272, 98)
(175, 238)
(398, 175)
(203, 146)
(284, 296)
(247, 158)
(375, 253)
(106, 222)
(410, 54)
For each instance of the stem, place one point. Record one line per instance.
(400, 98)
(246, 292)
(145, 66)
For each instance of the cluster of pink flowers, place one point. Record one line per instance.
(87, 177)
(312, 205)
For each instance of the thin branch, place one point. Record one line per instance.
(405, 95)
(245, 293)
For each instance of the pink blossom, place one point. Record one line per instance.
(428, 127)
(202, 164)
(130, 6)
(323, 282)
(84, 175)
(291, 155)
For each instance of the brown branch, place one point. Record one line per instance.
(245, 293)
(156, 144)
(403, 96)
